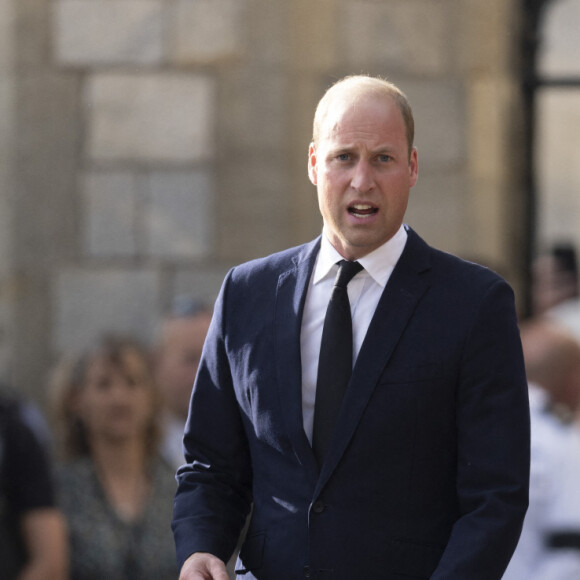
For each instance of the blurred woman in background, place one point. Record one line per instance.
(115, 490)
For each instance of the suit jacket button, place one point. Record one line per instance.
(308, 573)
(318, 507)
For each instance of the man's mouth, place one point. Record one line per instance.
(362, 210)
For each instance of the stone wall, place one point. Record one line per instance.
(6, 135)
(159, 142)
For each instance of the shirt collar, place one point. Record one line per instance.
(379, 264)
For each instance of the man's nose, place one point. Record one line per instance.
(363, 178)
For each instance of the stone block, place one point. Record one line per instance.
(313, 35)
(439, 108)
(179, 214)
(45, 180)
(490, 103)
(7, 25)
(267, 32)
(439, 210)
(413, 36)
(147, 118)
(256, 204)
(205, 31)
(6, 222)
(30, 329)
(32, 37)
(109, 212)
(7, 116)
(558, 177)
(101, 32)
(90, 302)
(257, 101)
(488, 35)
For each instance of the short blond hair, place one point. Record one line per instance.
(356, 86)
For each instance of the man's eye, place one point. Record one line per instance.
(343, 157)
(384, 158)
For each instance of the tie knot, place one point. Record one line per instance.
(346, 272)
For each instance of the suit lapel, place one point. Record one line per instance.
(290, 298)
(403, 292)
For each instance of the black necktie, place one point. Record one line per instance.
(335, 362)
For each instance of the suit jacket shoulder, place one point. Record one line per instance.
(460, 276)
(277, 263)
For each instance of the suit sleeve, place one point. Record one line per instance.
(213, 495)
(493, 435)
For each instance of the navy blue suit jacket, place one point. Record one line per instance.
(427, 473)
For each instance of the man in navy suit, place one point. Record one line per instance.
(426, 470)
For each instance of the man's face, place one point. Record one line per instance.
(363, 173)
(178, 359)
(115, 402)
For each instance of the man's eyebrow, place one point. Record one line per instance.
(384, 148)
(340, 149)
(348, 148)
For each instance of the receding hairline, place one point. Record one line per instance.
(353, 88)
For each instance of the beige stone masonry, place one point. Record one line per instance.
(268, 32)
(206, 31)
(148, 145)
(147, 118)
(258, 105)
(106, 32)
(179, 216)
(90, 301)
(439, 109)
(378, 34)
(255, 208)
(490, 160)
(109, 214)
(313, 37)
(7, 105)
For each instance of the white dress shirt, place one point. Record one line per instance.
(364, 292)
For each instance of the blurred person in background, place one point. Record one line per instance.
(180, 342)
(549, 547)
(177, 355)
(33, 542)
(113, 486)
(554, 278)
(565, 309)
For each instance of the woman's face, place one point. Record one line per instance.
(116, 400)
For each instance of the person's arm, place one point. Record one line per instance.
(44, 535)
(492, 422)
(203, 566)
(31, 495)
(214, 487)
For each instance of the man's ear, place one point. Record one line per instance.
(312, 169)
(413, 167)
